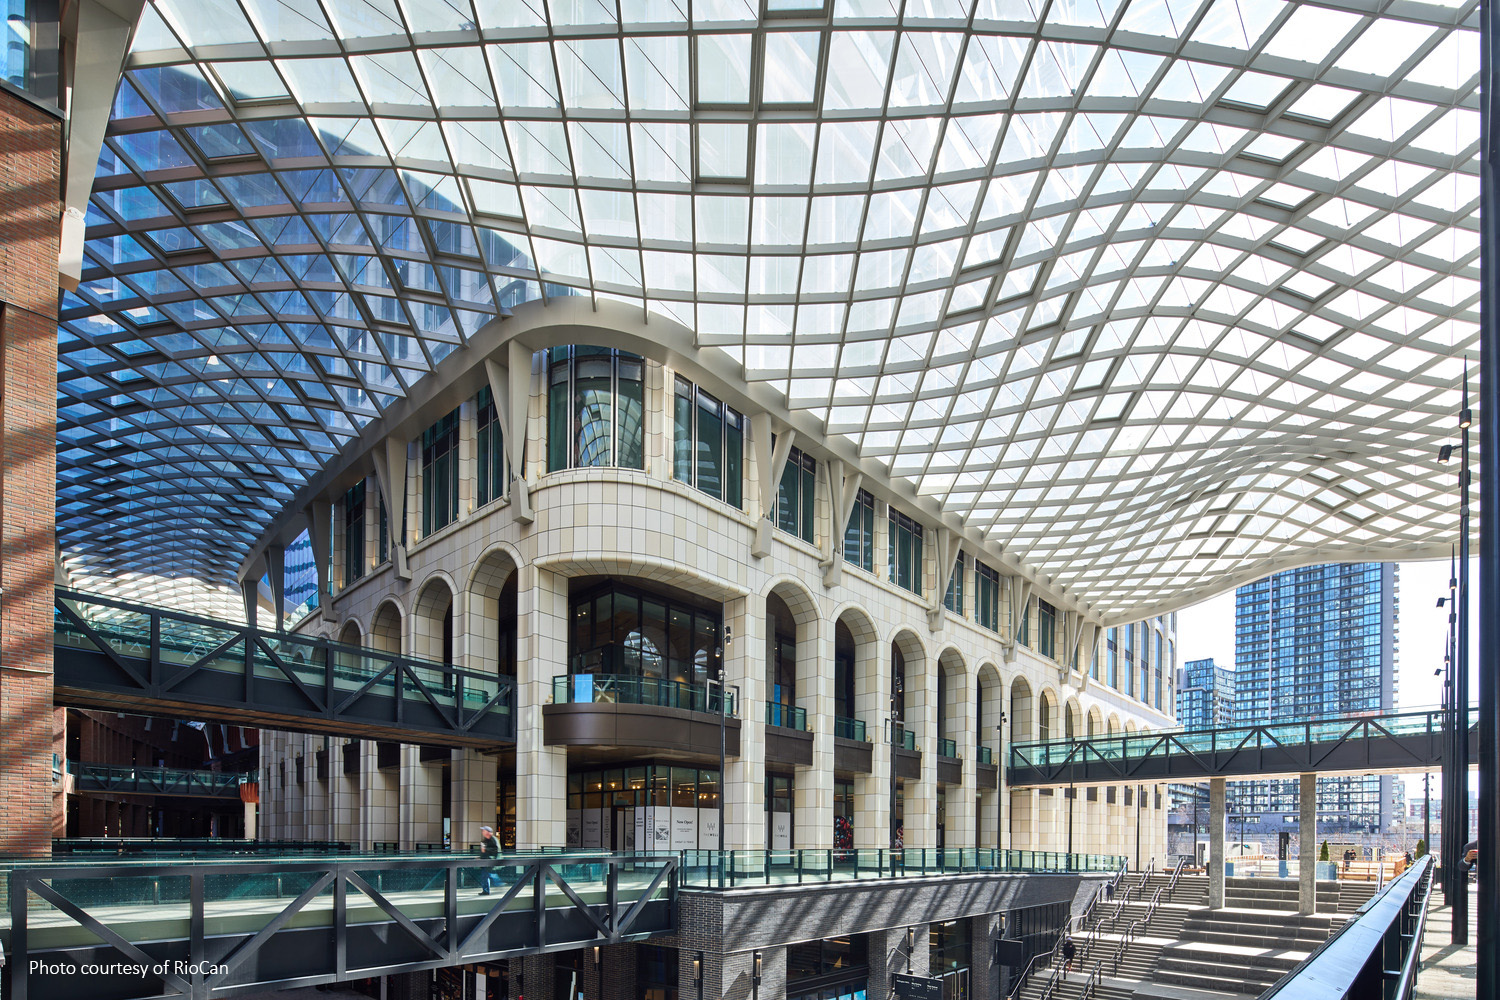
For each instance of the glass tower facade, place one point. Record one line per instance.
(1205, 700)
(1311, 643)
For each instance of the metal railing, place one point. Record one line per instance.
(129, 779)
(849, 729)
(1040, 960)
(786, 716)
(1091, 985)
(1413, 739)
(241, 926)
(1376, 954)
(948, 749)
(630, 689)
(904, 738)
(112, 654)
(98, 848)
(986, 755)
(803, 866)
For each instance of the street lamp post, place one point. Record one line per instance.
(1461, 676)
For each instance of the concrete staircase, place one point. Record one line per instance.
(1187, 951)
(1276, 894)
(1245, 950)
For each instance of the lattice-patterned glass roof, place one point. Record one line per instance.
(1147, 291)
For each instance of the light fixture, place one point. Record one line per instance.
(598, 957)
(1445, 454)
(1465, 418)
(698, 967)
(755, 969)
(1441, 601)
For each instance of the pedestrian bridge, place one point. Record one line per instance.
(119, 656)
(1411, 741)
(195, 929)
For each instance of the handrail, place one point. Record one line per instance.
(1125, 941)
(1030, 967)
(1091, 984)
(1182, 861)
(1052, 982)
(1356, 961)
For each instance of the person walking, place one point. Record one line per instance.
(489, 849)
(1070, 951)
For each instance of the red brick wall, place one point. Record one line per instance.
(30, 148)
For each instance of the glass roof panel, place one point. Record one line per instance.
(836, 208)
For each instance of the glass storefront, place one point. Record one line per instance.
(648, 807)
(780, 806)
(843, 815)
(948, 957)
(624, 630)
(831, 969)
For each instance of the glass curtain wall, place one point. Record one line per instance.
(440, 474)
(354, 532)
(987, 596)
(953, 600)
(795, 495)
(906, 552)
(491, 449)
(595, 409)
(623, 630)
(859, 536)
(708, 444)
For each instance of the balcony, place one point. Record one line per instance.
(851, 747)
(849, 729)
(622, 710)
(950, 768)
(786, 716)
(907, 761)
(948, 749)
(787, 739)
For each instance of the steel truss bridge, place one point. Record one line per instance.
(199, 930)
(120, 656)
(127, 779)
(1412, 741)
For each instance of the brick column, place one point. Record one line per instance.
(30, 143)
(984, 973)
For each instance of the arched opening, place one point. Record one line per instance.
(491, 622)
(385, 628)
(781, 663)
(914, 804)
(432, 623)
(349, 635)
(1072, 720)
(1046, 717)
(1022, 705)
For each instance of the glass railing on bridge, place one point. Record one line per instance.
(1126, 749)
(273, 921)
(748, 869)
(159, 655)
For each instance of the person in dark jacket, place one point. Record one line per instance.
(1070, 951)
(489, 848)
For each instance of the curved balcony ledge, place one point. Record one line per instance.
(655, 727)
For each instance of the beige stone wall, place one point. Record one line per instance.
(644, 525)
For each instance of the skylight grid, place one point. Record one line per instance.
(302, 208)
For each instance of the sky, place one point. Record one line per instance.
(1207, 630)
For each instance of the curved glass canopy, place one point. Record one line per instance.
(1157, 295)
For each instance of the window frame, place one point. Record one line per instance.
(489, 450)
(863, 553)
(689, 403)
(440, 466)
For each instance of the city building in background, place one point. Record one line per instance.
(1205, 700)
(1317, 642)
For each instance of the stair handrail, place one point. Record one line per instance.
(1091, 984)
(1051, 986)
(1155, 902)
(1182, 860)
(1125, 942)
(1030, 966)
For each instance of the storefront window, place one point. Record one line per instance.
(948, 957)
(617, 629)
(651, 807)
(779, 804)
(843, 815)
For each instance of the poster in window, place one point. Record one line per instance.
(591, 828)
(583, 689)
(661, 825)
(606, 828)
(708, 829)
(684, 828)
(781, 831)
(575, 827)
(630, 825)
(641, 843)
